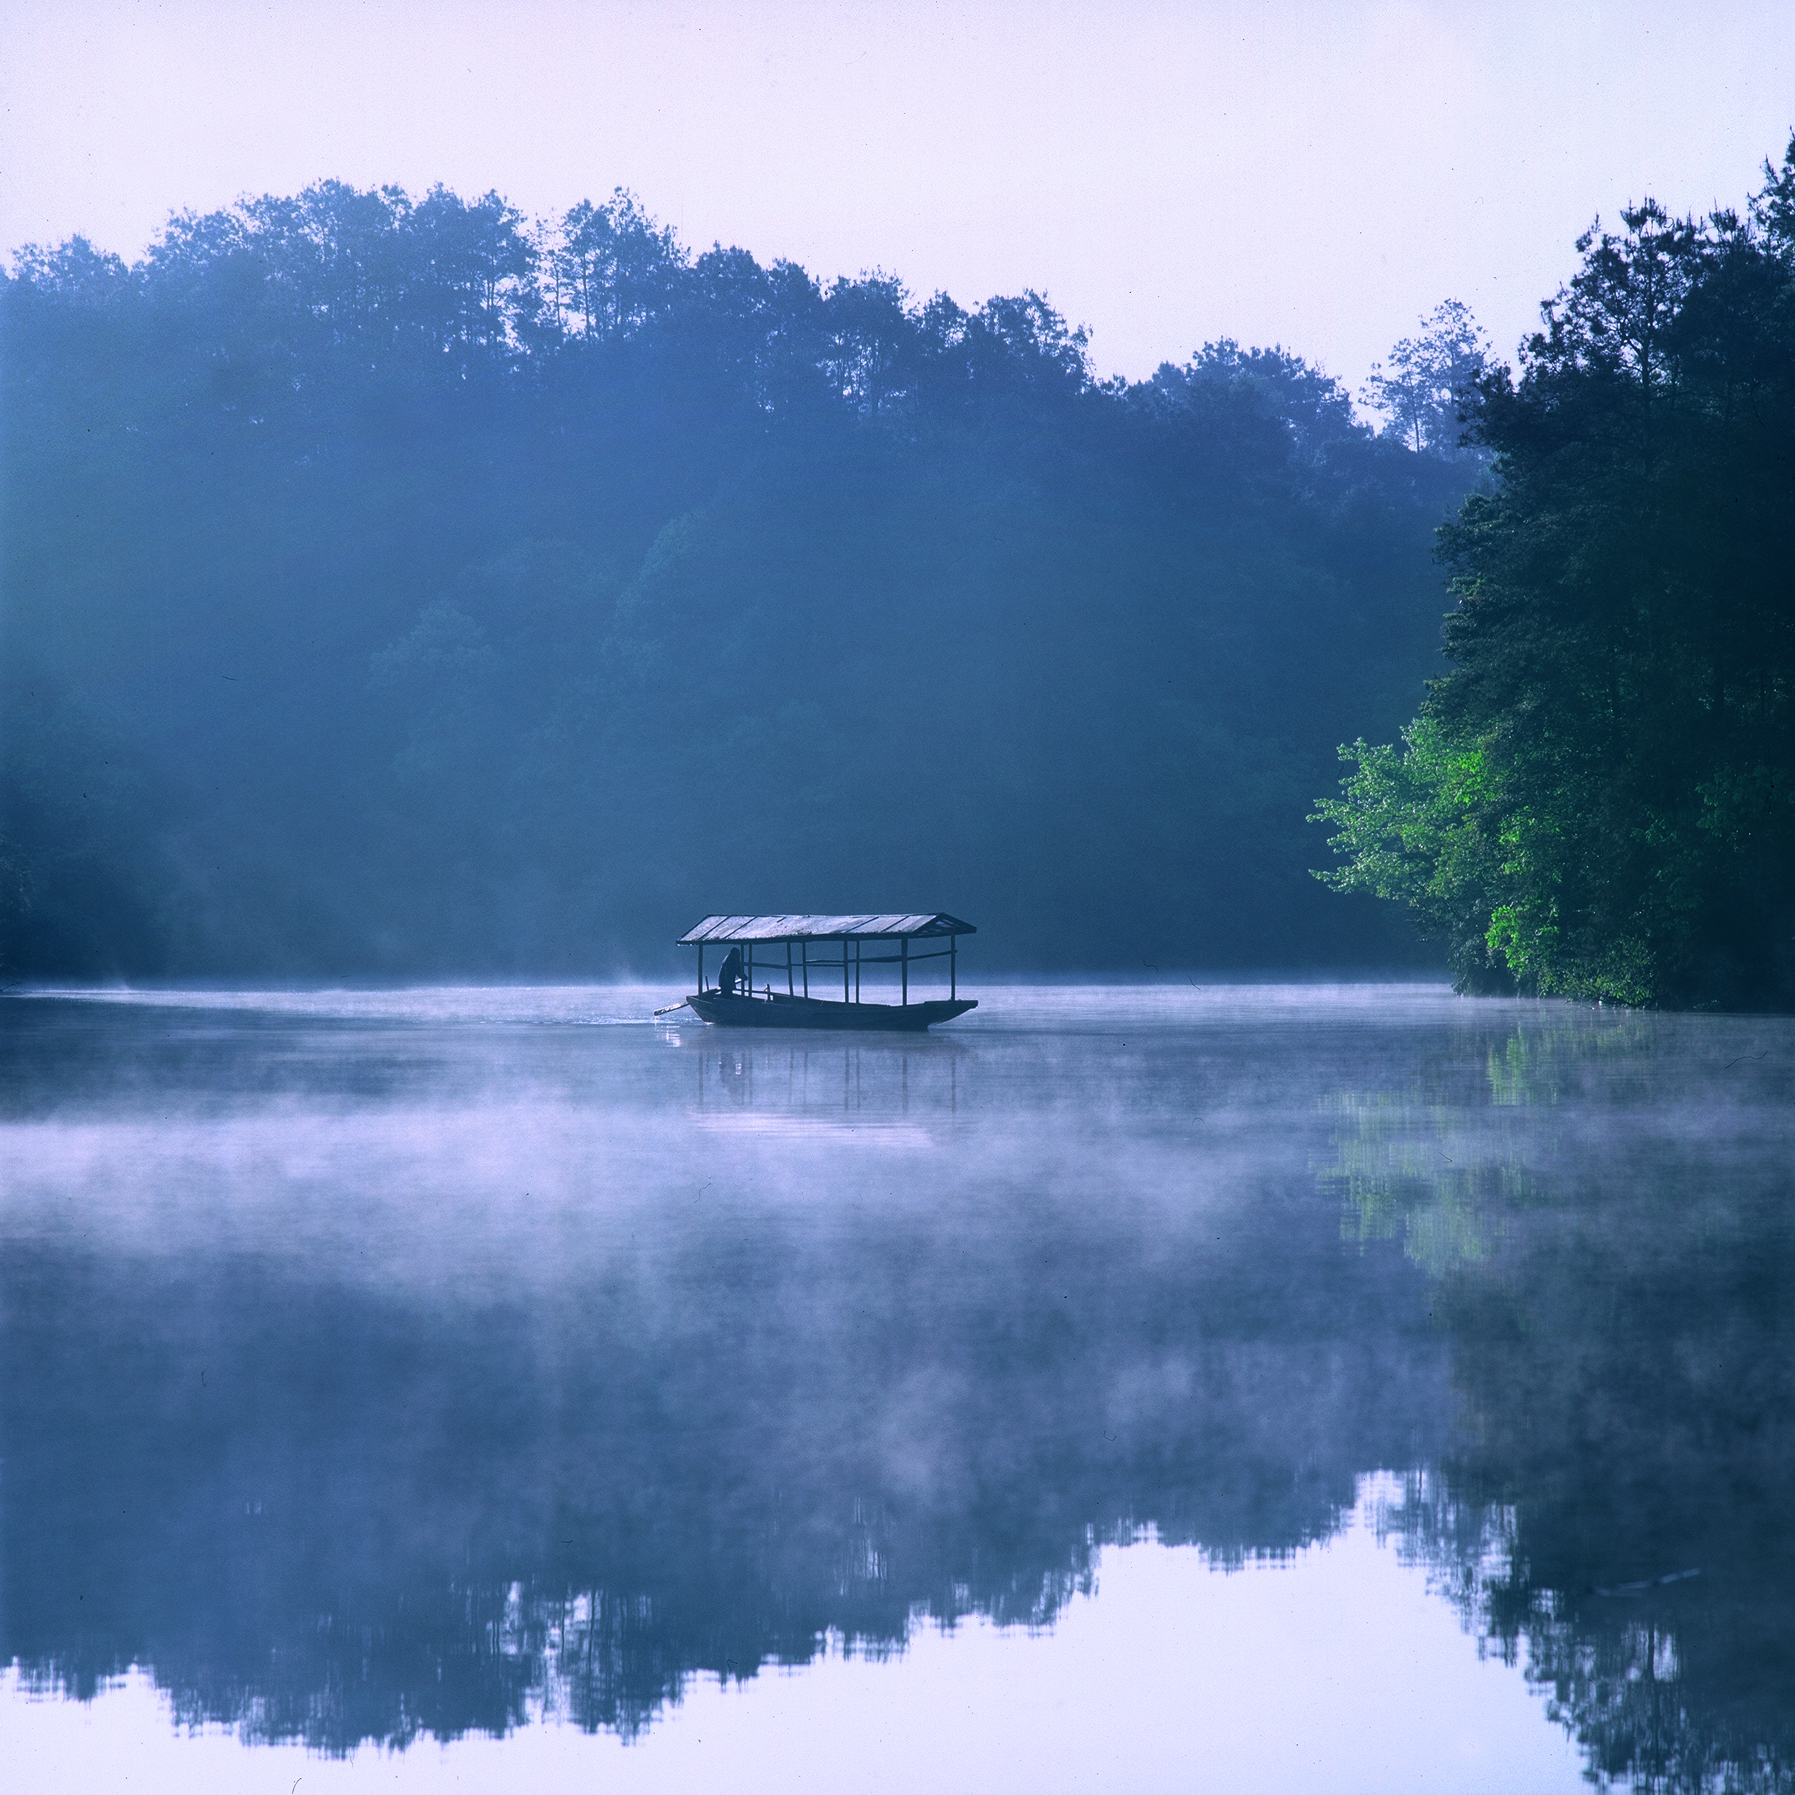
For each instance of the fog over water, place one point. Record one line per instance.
(498, 1366)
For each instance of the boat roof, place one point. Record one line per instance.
(890, 926)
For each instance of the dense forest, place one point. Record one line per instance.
(1598, 800)
(395, 586)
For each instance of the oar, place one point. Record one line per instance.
(668, 1011)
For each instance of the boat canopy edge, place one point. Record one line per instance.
(892, 926)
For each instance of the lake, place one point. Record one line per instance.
(1139, 1388)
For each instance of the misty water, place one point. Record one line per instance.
(1134, 1388)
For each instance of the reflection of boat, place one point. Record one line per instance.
(735, 1002)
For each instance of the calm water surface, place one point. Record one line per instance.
(1122, 1389)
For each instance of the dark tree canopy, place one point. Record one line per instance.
(1599, 800)
(396, 586)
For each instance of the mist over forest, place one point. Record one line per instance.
(395, 587)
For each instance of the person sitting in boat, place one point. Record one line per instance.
(730, 978)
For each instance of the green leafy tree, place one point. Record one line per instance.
(1624, 642)
(1419, 824)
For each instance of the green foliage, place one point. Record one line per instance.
(1624, 644)
(1415, 826)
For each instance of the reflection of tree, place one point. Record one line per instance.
(1616, 1275)
(385, 1518)
(1441, 1163)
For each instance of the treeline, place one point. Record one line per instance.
(1598, 800)
(396, 587)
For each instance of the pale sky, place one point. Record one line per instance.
(1315, 175)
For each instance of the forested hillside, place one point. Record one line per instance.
(393, 588)
(1598, 800)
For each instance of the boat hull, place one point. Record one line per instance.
(780, 1011)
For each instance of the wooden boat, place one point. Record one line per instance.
(765, 946)
(775, 1009)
